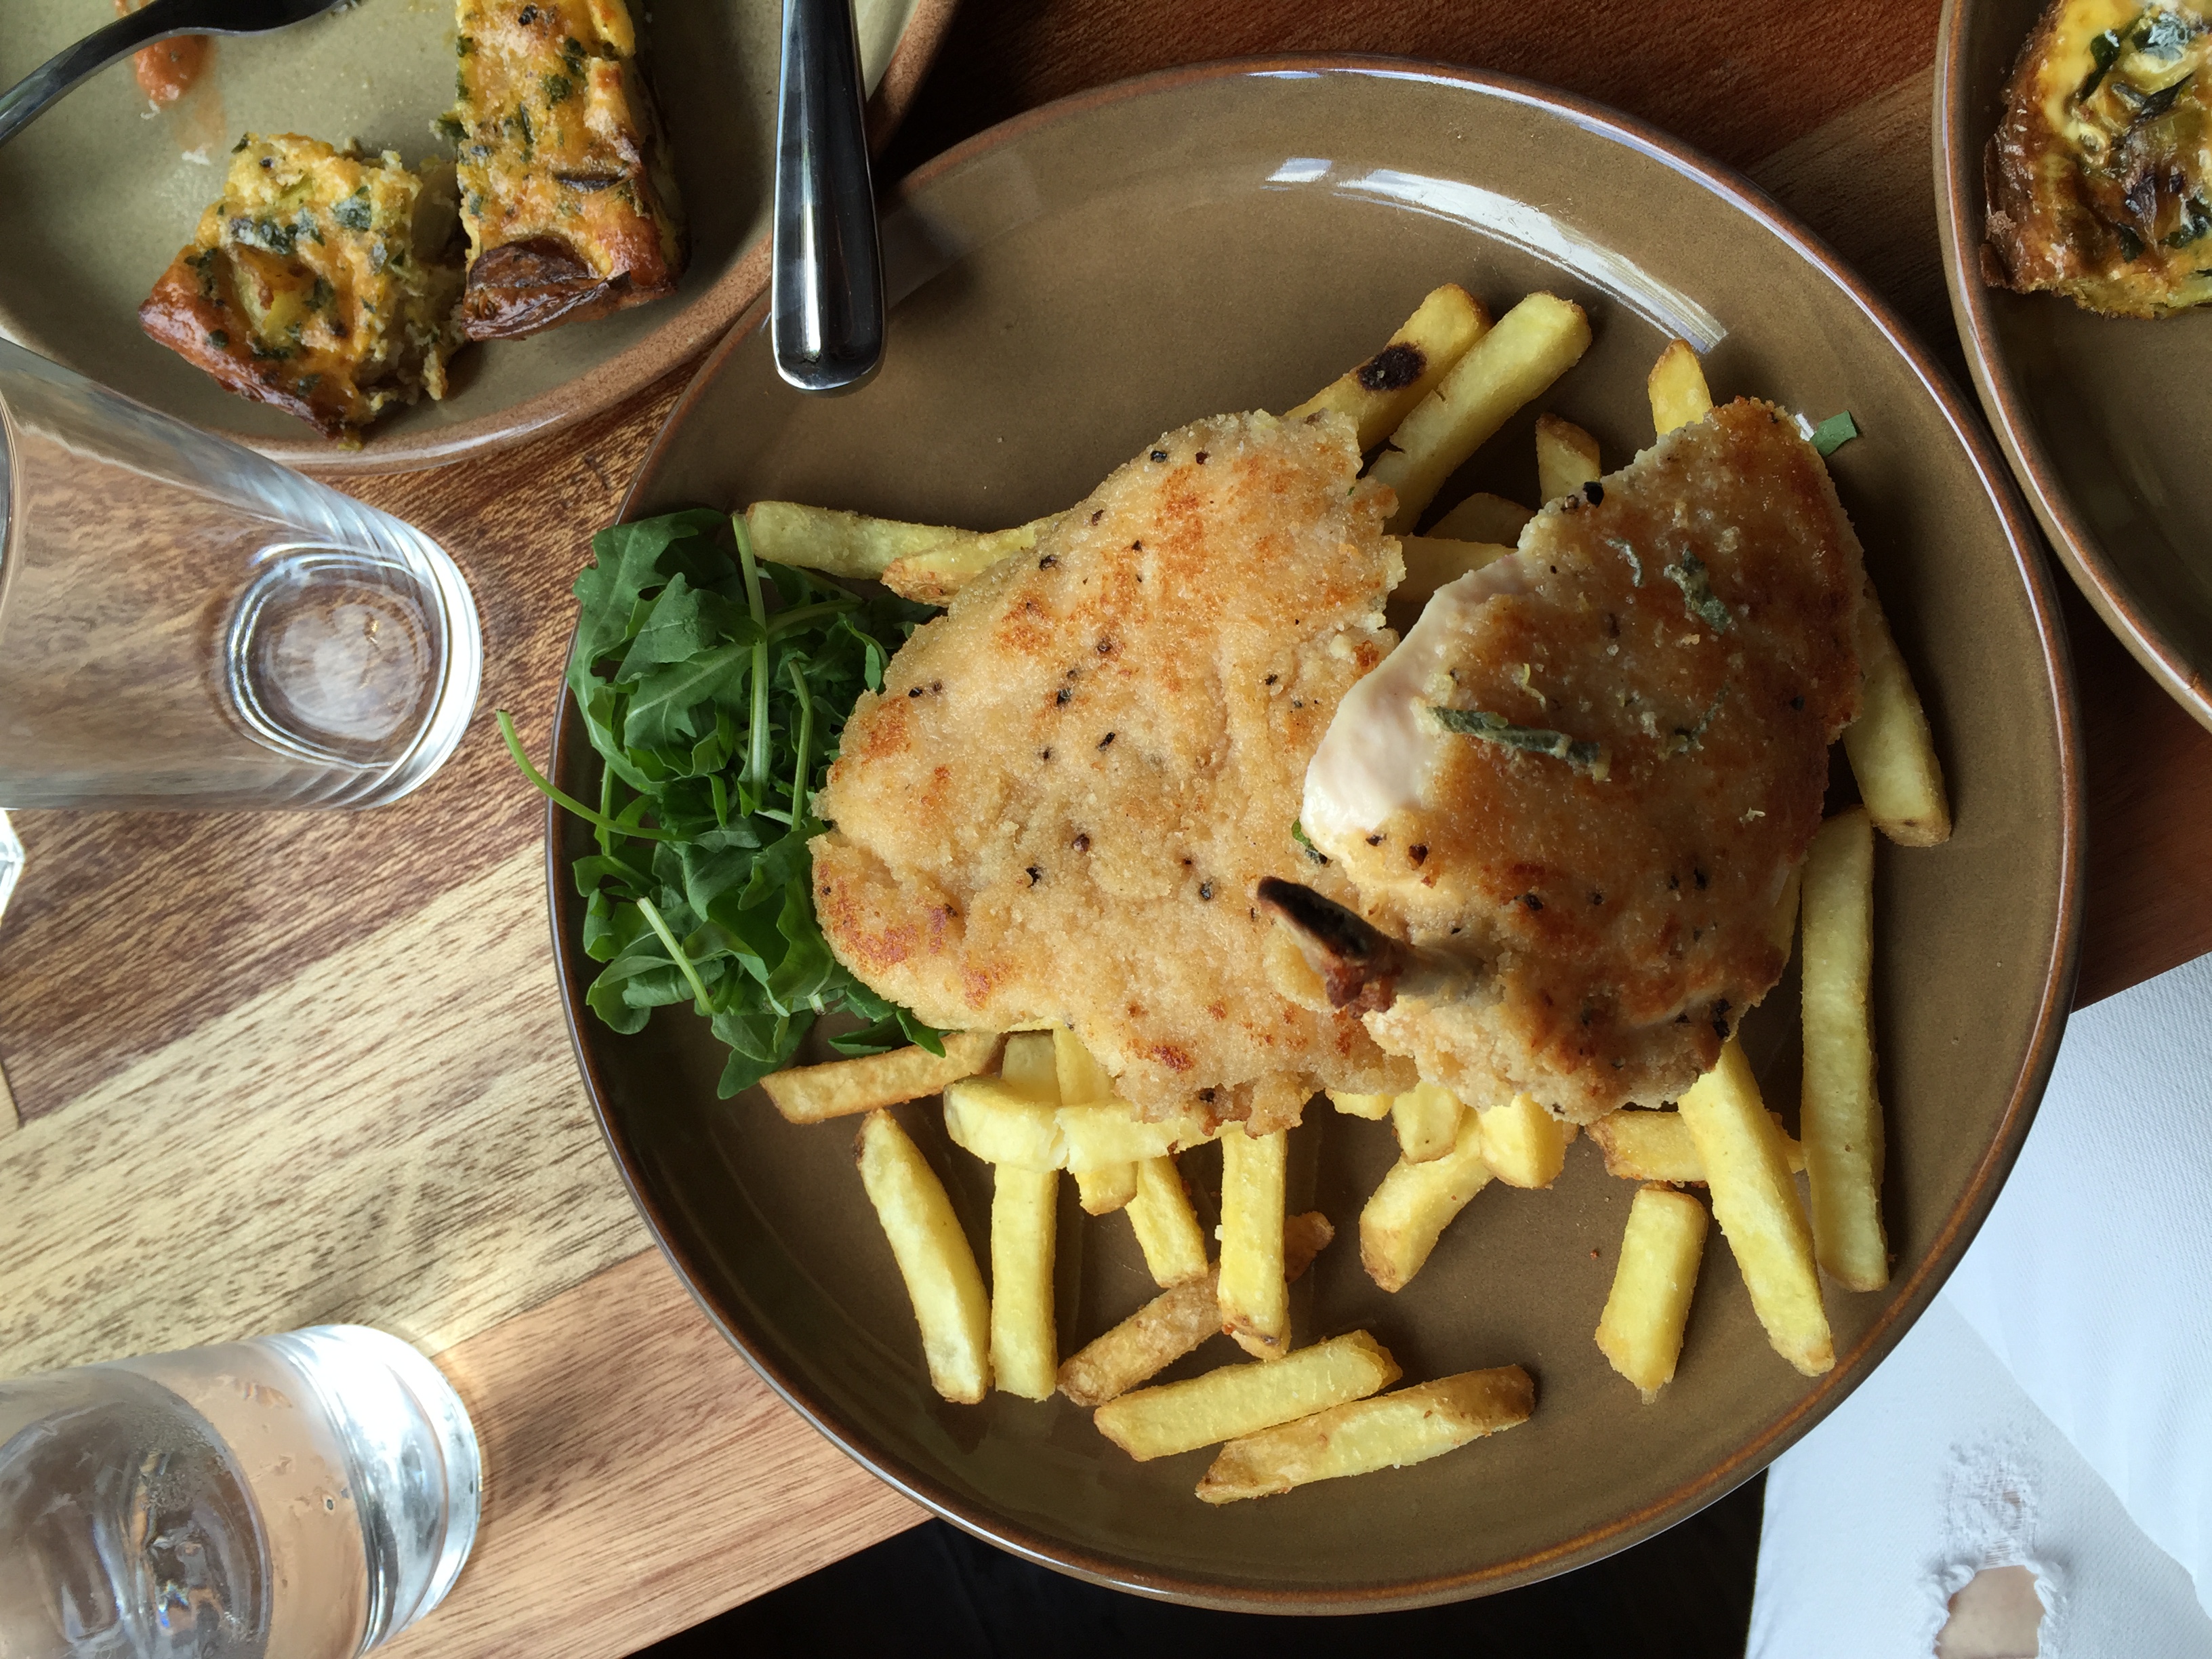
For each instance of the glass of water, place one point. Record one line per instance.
(305, 1496)
(185, 623)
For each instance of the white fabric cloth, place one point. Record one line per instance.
(1938, 1466)
(2072, 1344)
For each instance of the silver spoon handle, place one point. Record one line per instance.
(826, 300)
(23, 103)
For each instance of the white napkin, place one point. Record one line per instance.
(2073, 1346)
(2092, 1280)
(1937, 1468)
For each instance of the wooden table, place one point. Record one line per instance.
(272, 1071)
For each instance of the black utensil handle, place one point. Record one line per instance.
(826, 300)
(28, 98)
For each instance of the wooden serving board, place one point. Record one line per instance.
(271, 1071)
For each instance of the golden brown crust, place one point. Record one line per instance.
(570, 207)
(1062, 801)
(322, 283)
(2099, 179)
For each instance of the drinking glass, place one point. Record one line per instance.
(185, 623)
(305, 1496)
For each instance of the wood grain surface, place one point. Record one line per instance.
(285, 1068)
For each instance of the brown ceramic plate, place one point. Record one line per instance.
(1230, 237)
(2104, 418)
(102, 190)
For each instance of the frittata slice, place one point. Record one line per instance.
(324, 283)
(566, 191)
(2099, 178)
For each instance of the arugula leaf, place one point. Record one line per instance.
(715, 700)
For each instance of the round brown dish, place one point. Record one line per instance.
(2103, 418)
(100, 199)
(1067, 287)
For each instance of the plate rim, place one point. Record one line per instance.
(1959, 211)
(1952, 1235)
(593, 391)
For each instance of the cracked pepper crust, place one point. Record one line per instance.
(1614, 916)
(1061, 803)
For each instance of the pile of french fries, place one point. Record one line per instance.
(1035, 1104)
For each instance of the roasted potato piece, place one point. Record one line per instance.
(1255, 1307)
(942, 1281)
(1431, 562)
(1083, 1080)
(1379, 393)
(1108, 1132)
(1238, 1400)
(1838, 1109)
(1024, 1349)
(1756, 1203)
(1524, 1145)
(1383, 1431)
(1174, 1322)
(837, 543)
(1372, 1107)
(1640, 1332)
(1642, 1145)
(1029, 1067)
(1892, 750)
(1108, 1187)
(1000, 1124)
(1415, 1203)
(1533, 345)
(1677, 388)
(1483, 517)
(935, 574)
(1566, 458)
(1426, 1119)
(1167, 1229)
(808, 1094)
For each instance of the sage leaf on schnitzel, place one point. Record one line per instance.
(1697, 593)
(1832, 434)
(1582, 754)
(714, 689)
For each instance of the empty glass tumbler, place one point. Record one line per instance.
(185, 623)
(305, 1496)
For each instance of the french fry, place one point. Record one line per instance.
(934, 575)
(1383, 1431)
(1000, 1124)
(1566, 458)
(1240, 1400)
(1426, 1119)
(1677, 389)
(1108, 1187)
(837, 542)
(1641, 1145)
(1082, 1079)
(1167, 1230)
(1255, 1307)
(1640, 1332)
(1838, 1109)
(1378, 392)
(1533, 345)
(1373, 1107)
(942, 1281)
(1483, 517)
(1755, 1201)
(810, 1094)
(1892, 752)
(1173, 1323)
(1106, 1133)
(1432, 561)
(1524, 1145)
(1415, 1203)
(1024, 1212)
(1028, 1068)
(1782, 927)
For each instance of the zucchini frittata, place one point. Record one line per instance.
(2099, 177)
(323, 282)
(566, 192)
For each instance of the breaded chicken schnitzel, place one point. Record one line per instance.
(1061, 802)
(1579, 787)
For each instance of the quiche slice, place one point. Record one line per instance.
(324, 283)
(566, 192)
(2099, 177)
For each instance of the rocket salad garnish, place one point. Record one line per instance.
(713, 688)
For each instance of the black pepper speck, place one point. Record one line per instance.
(1594, 492)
